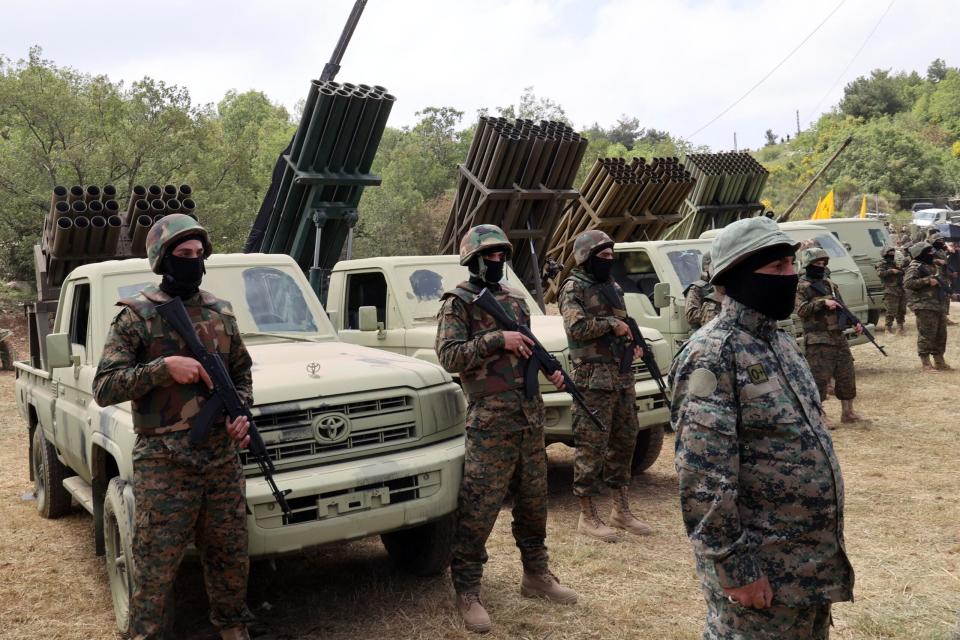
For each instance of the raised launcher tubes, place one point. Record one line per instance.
(323, 177)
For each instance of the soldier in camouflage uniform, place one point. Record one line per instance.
(183, 492)
(505, 449)
(825, 345)
(760, 485)
(701, 299)
(941, 259)
(894, 296)
(928, 292)
(592, 307)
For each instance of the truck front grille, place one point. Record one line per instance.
(291, 432)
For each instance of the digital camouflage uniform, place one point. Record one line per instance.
(894, 296)
(701, 299)
(760, 485)
(927, 302)
(825, 346)
(183, 493)
(602, 457)
(505, 449)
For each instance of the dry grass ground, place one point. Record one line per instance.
(902, 530)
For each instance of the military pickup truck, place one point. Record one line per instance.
(367, 442)
(655, 274)
(391, 303)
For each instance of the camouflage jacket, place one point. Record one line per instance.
(701, 303)
(761, 490)
(132, 367)
(924, 296)
(892, 276)
(589, 319)
(470, 343)
(820, 324)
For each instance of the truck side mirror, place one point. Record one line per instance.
(661, 295)
(367, 317)
(58, 351)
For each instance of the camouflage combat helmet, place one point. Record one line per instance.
(917, 248)
(482, 237)
(887, 249)
(167, 232)
(808, 256)
(590, 243)
(742, 239)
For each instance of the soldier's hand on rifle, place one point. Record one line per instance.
(756, 595)
(186, 370)
(934, 282)
(238, 430)
(620, 328)
(859, 329)
(518, 343)
(557, 380)
(831, 303)
(637, 353)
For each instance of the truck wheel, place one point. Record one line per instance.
(118, 539)
(53, 500)
(423, 550)
(649, 443)
(7, 356)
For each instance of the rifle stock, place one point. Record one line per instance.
(223, 398)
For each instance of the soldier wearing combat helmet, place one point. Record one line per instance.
(760, 485)
(894, 297)
(826, 349)
(183, 492)
(505, 449)
(593, 311)
(928, 291)
(701, 299)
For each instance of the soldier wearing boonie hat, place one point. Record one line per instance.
(760, 486)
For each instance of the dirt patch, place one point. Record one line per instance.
(902, 532)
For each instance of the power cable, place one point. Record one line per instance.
(771, 72)
(816, 110)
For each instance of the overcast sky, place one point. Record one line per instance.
(674, 64)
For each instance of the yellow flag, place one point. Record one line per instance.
(863, 207)
(816, 211)
(825, 208)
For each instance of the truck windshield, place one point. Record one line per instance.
(420, 287)
(264, 299)
(925, 215)
(686, 264)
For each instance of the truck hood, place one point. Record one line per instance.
(280, 371)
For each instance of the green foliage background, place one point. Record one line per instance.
(59, 125)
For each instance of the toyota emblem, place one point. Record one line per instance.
(330, 428)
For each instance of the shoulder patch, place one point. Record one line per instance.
(702, 382)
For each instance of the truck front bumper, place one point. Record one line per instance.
(651, 410)
(355, 499)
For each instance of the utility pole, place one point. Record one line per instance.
(798, 121)
(735, 141)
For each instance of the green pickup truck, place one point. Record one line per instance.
(391, 468)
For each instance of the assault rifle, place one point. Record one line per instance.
(636, 340)
(540, 358)
(846, 314)
(223, 399)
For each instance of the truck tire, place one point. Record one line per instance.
(118, 540)
(647, 450)
(7, 356)
(53, 500)
(423, 550)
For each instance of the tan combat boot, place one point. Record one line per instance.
(940, 364)
(475, 617)
(234, 633)
(881, 329)
(847, 414)
(621, 516)
(925, 364)
(590, 523)
(546, 586)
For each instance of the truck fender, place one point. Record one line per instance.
(104, 467)
(427, 355)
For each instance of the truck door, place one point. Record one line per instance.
(370, 289)
(74, 384)
(637, 275)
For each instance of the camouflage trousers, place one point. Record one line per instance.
(604, 457)
(498, 462)
(729, 621)
(182, 494)
(931, 332)
(896, 307)
(833, 361)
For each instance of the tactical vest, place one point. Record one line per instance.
(502, 370)
(826, 320)
(890, 279)
(607, 348)
(171, 408)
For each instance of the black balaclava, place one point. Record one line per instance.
(771, 295)
(815, 271)
(926, 256)
(487, 273)
(889, 257)
(181, 276)
(599, 267)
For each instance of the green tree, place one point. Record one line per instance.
(872, 97)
